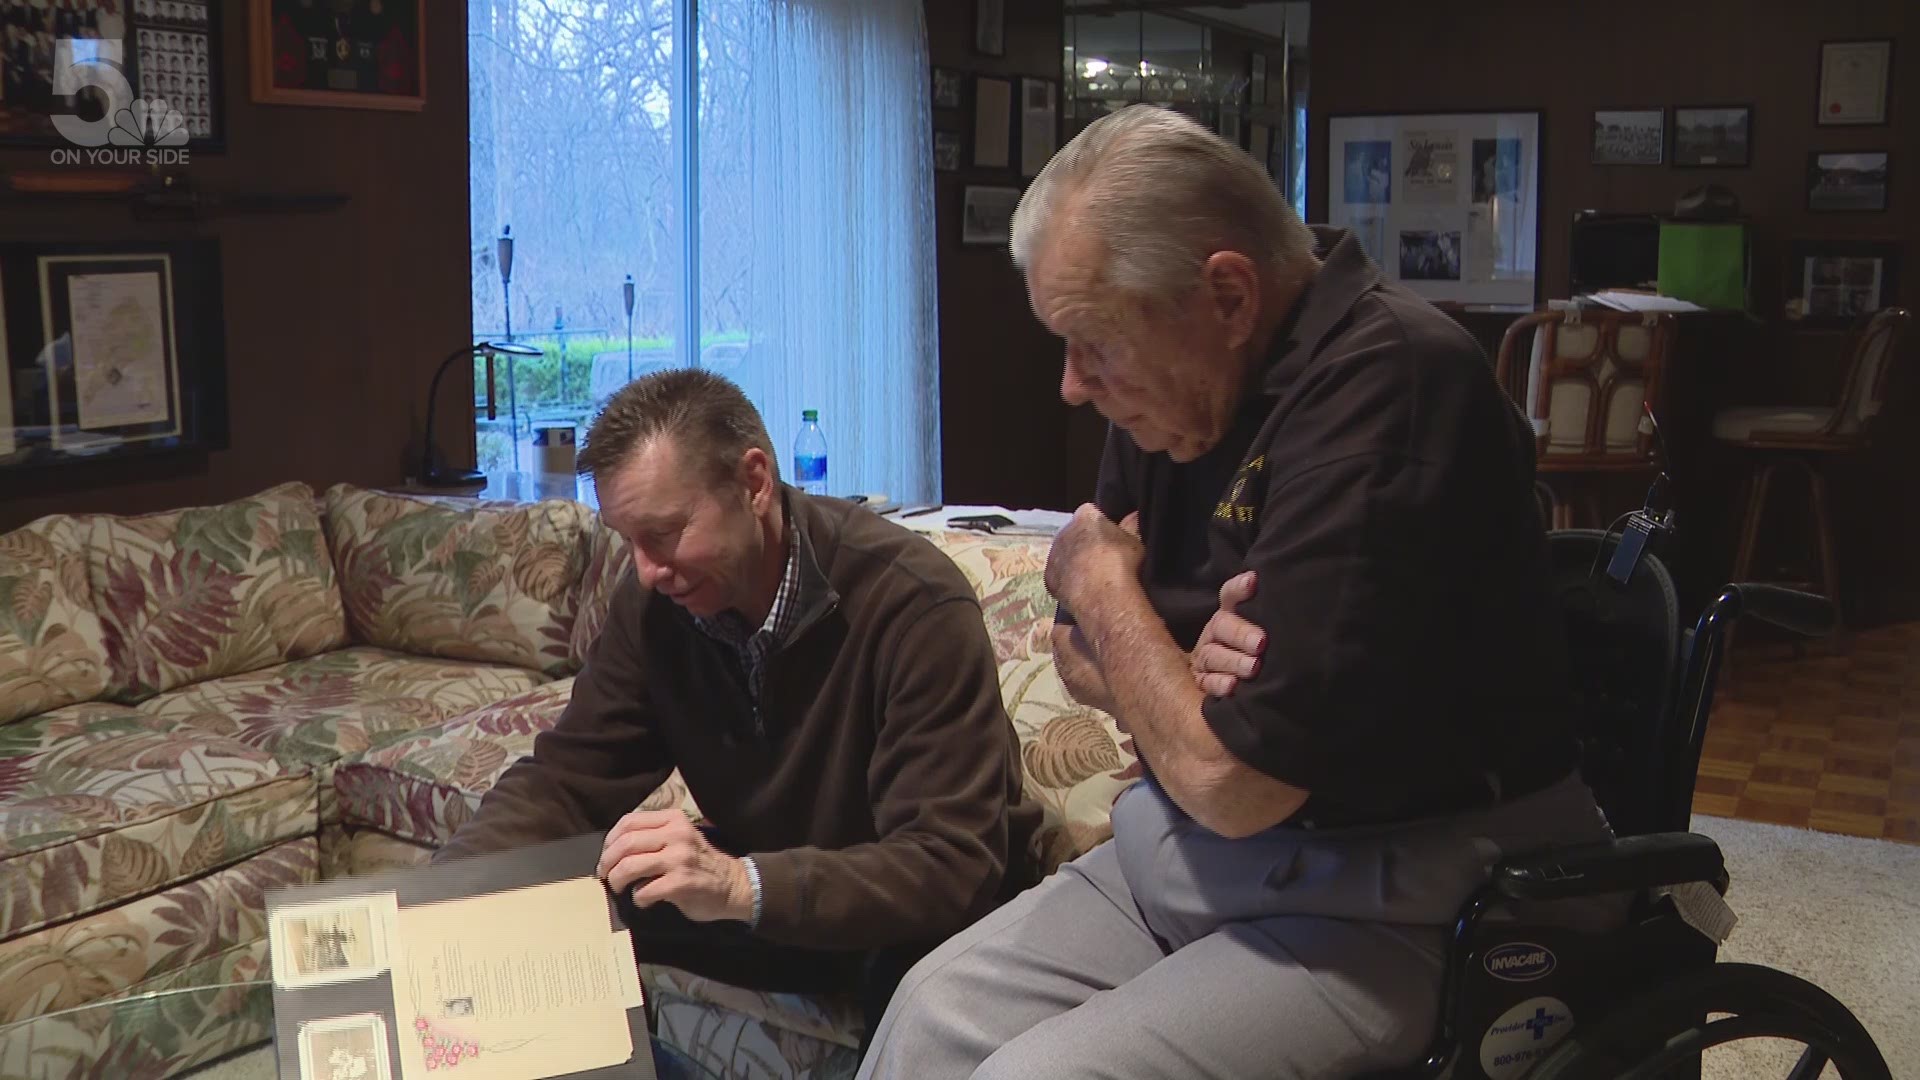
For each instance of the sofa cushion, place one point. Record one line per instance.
(195, 594)
(1073, 760)
(52, 649)
(608, 557)
(100, 804)
(424, 787)
(313, 712)
(1008, 574)
(487, 582)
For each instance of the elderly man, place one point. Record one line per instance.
(1315, 590)
(824, 683)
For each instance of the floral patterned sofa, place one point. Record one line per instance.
(200, 706)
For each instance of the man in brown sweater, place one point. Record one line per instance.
(824, 683)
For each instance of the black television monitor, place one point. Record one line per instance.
(1614, 251)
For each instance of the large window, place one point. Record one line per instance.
(767, 192)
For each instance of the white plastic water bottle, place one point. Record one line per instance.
(810, 455)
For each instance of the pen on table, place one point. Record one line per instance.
(916, 512)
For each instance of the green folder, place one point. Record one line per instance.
(1705, 262)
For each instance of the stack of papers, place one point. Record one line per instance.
(1621, 300)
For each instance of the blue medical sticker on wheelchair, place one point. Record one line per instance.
(1522, 1036)
(1520, 961)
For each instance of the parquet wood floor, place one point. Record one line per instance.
(1823, 740)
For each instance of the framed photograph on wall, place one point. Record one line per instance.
(1712, 136)
(992, 122)
(355, 54)
(1446, 203)
(55, 58)
(949, 88)
(1629, 136)
(949, 149)
(1847, 180)
(987, 215)
(990, 27)
(1039, 124)
(1855, 82)
(1831, 283)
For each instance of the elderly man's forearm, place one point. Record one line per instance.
(1152, 686)
(1078, 673)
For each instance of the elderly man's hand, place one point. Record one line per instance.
(1092, 555)
(1230, 647)
(672, 861)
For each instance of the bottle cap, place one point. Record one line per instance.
(809, 416)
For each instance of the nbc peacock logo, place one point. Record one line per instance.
(147, 123)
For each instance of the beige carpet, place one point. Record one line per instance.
(1840, 912)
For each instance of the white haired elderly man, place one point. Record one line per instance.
(1314, 587)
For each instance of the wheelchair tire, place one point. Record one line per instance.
(1642, 1041)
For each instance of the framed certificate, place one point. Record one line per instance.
(114, 315)
(1854, 78)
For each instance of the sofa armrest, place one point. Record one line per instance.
(1634, 862)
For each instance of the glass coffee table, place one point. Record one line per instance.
(212, 1032)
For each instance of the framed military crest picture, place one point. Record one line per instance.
(357, 54)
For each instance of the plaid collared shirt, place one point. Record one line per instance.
(753, 646)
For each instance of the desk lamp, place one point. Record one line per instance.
(434, 475)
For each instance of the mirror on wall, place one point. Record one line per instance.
(1239, 70)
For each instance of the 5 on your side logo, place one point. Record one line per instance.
(141, 131)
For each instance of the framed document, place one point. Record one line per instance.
(407, 974)
(1854, 78)
(109, 350)
(121, 378)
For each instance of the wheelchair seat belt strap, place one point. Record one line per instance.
(1702, 907)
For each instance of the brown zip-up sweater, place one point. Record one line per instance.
(879, 793)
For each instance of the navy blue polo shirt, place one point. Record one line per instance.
(1381, 485)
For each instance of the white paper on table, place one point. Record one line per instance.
(515, 985)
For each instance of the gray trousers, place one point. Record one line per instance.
(1171, 952)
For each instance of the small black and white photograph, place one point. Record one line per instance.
(949, 87)
(1629, 136)
(987, 215)
(1713, 136)
(1429, 255)
(1369, 171)
(1496, 170)
(948, 148)
(1847, 181)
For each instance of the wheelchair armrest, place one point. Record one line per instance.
(1803, 613)
(1633, 862)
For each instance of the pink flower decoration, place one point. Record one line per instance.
(420, 1024)
(473, 1049)
(432, 1064)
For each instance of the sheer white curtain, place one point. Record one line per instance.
(816, 244)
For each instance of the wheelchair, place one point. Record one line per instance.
(1537, 1001)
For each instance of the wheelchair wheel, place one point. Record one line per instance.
(1664, 1033)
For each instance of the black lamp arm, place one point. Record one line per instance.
(433, 399)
